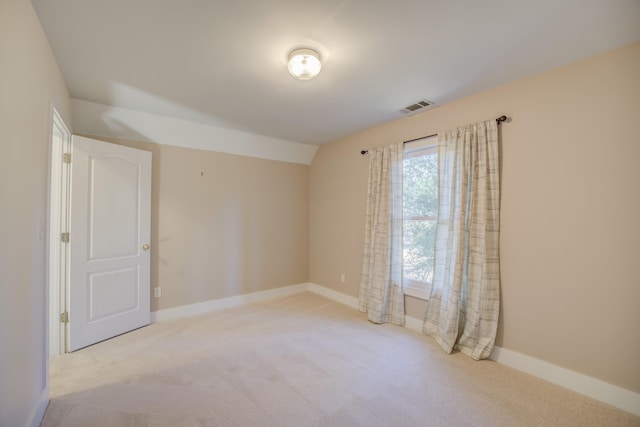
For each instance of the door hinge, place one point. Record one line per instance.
(64, 317)
(66, 157)
(64, 237)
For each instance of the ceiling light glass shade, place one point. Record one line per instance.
(304, 64)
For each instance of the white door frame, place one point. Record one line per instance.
(58, 260)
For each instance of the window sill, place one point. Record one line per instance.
(419, 293)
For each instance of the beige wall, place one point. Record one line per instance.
(570, 223)
(224, 225)
(30, 82)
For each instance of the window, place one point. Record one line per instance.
(420, 208)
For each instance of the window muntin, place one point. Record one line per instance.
(420, 205)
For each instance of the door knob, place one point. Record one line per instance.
(145, 247)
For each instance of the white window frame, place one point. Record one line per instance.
(421, 147)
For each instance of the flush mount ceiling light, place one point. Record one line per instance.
(304, 64)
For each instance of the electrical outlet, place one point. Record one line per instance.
(343, 278)
(157, 292)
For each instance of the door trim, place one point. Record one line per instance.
(58, 260)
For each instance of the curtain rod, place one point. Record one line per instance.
(498, 120)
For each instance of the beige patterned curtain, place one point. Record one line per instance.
(381, 295)
(462, 311)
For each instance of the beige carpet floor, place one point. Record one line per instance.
(299, 361)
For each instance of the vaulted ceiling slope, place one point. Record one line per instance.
(223, 62)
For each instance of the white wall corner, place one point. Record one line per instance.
(102, 120)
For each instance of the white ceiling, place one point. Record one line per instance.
(223, 62)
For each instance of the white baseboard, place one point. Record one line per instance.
(580, 383)
(413, 324)
(583, 384)
(220, 304)
(37, 413)
(334, 295)
(608, 393)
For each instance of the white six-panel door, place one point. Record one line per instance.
(109, 290)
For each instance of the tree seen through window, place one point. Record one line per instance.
(420, 204)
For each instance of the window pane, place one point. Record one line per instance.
(418, 248)
(420, 177)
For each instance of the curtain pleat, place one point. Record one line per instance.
(381, 295)
(462, 311)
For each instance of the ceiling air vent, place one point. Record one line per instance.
(421, 105)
